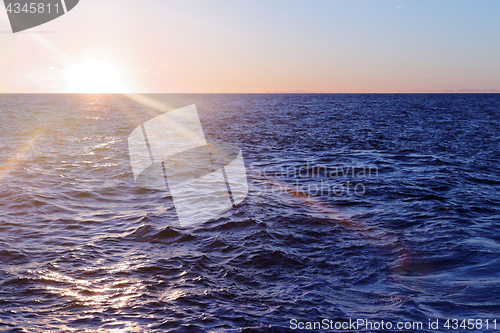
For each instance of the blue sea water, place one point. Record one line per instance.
(360, 206)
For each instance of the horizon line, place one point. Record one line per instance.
(472, 91)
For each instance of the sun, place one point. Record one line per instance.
(94, 76)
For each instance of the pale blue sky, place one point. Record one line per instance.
(264, 46)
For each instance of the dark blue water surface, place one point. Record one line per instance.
(378, 206)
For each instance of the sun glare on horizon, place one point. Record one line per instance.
(94, 76)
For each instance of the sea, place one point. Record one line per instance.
(376, 209)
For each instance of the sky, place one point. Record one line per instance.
(257, 46)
